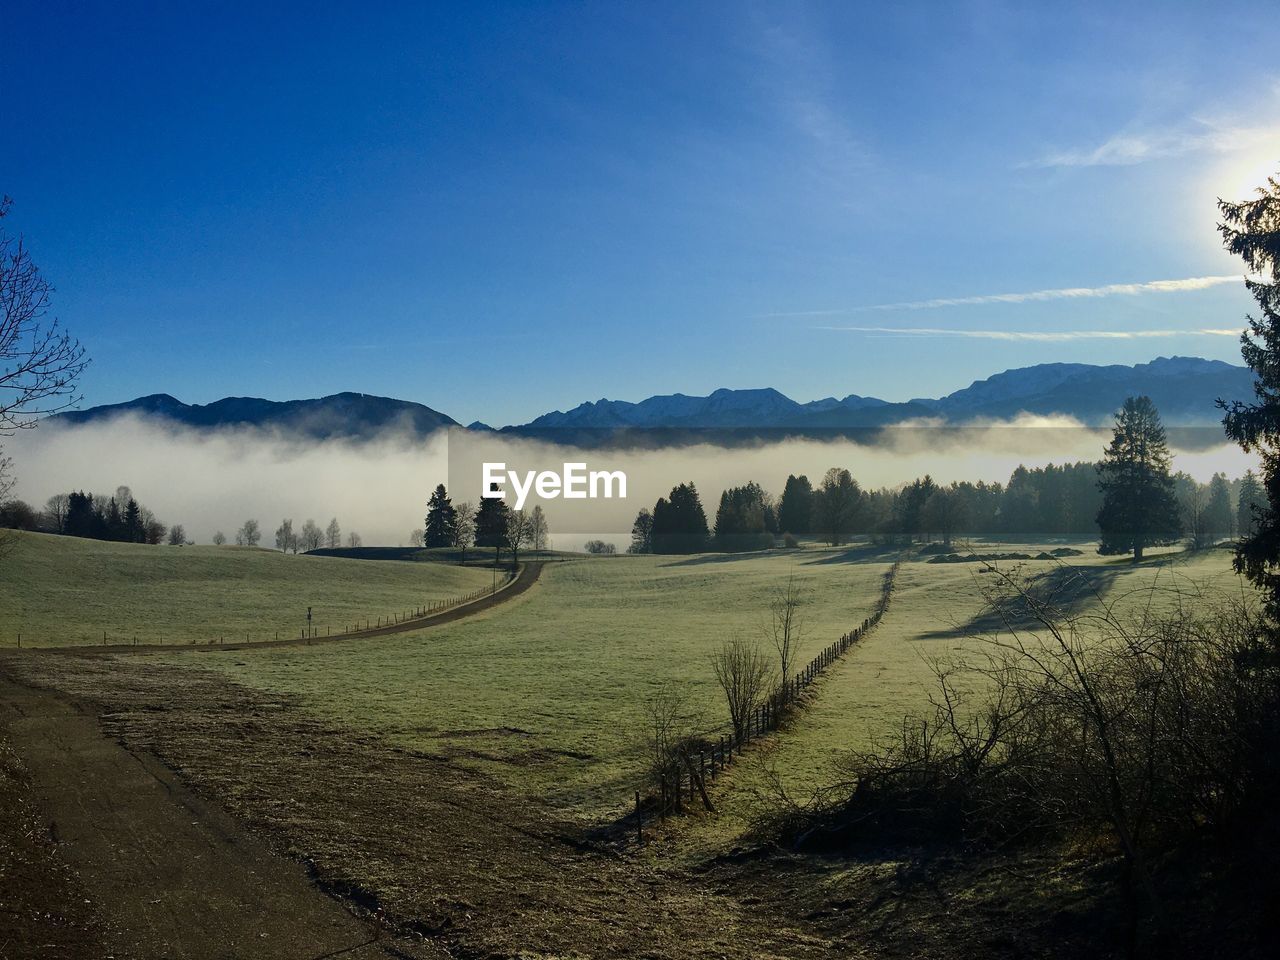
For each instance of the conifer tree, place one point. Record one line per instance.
(1218, 513)
(1251, 230)
(1249, 500)
(679, 522)
(441, 525)
(1139, 508)
(642, 532)
(796, 506)
(491, 523)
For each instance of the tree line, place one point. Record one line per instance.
(1130, 499)
(119, 517)
(494, 524)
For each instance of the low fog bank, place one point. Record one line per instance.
(212, 481)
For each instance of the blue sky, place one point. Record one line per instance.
(503, 209)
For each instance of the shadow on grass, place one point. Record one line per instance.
(1066, 590)
(704, 558)
(864, 553)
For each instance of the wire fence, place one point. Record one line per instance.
(683, 780)
(364, 626)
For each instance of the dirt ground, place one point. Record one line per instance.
(163, 873)
(454, 862)
(165, 812)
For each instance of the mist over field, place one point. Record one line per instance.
(210, 481)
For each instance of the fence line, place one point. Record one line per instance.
(359, 627)
(701, 759)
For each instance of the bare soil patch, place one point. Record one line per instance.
(168, 873)
(450, 856)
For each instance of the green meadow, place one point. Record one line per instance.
(59, 591)
(547, 692)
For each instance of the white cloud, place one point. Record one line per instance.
(1050, 336)
(1060, 293)
(1128, 148)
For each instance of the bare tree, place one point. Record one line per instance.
(667, 730)
(416, 537)
(743, 673)
(219, 539)
(286, 539)
(249, 535)
(312, 537)
(333, 534)
(786, 624)
(55, 512)
(518, 530)
(177, 535)
(6, 487)
(353, 539)
(464, 524)
(539, 530)
(39, 362)
(600, 547)
(1194, 499)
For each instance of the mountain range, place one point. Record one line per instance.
(1184, 389)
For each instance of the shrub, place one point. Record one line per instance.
(1148, 730)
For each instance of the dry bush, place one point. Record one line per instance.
(668, 726)
(742, 670)
(1145, 729)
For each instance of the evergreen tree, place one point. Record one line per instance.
(642, 532)
(1139, 508)
(1020, 505)
(491, 523)
(742, 519)
(1219, 516)
(133, 531)
(442, 520)
(680, 523)
(1250, 500)
(115, 523)
(945, 513)
(80, 515)
(1251, 230)
(835, 506)
(912, 519)
(795, 509)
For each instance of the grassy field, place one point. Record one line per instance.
(65, 590)
(547, 692)
(937, 613)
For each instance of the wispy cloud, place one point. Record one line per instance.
(1140, 146)
(1031, 296)
(1039, 336)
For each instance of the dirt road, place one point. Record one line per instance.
(170, 874)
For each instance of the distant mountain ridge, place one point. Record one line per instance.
(350, 416)
(1184, 389)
